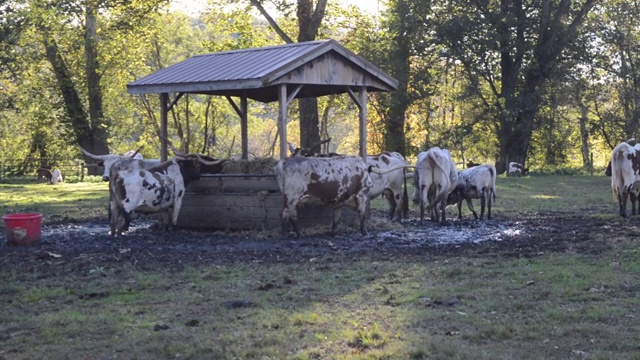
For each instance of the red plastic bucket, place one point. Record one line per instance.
(23, 229)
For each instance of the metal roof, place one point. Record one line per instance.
(323, 67)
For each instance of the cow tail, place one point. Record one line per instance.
(493, 189)
(405, 196)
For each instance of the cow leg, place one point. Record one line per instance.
(483, 204)
(337, 213)
(177, 205)
(459, 204)
(489, 204)
(633, 197)
(443, 206)
(114, 215)
(393, 206)
(362, 206)
(473, 210)
(622, 201)
(422, 206)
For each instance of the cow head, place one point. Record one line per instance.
(106, 161)
(191, 165)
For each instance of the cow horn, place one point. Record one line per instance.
(376, 170)
(176, 152)
(210, 162)
(137, 151)
(88, 154)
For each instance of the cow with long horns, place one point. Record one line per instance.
(108, 160)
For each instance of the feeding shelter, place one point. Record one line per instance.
(275, 73)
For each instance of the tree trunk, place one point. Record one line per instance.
(309, 20)
(514, 136)
(77, 117)
(98, 124)
(584, 138)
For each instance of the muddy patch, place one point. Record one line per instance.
(89, 243)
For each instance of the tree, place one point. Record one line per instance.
(309, 21)
(509, 50)
(401, 46)
(80, 82)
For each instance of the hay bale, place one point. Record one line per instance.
(260, 166)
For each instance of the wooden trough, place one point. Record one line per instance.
(247, 202)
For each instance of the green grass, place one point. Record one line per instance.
(64, 201)
(465, 305)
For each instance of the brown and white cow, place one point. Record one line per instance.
(478, 182)
(435, 176)
(336, 181)
(389, 184)
(149, 190)
(625, 173)
(634, 193)
(44, 175)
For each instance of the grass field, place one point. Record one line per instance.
(570, 292)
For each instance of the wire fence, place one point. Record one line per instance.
(27, 169)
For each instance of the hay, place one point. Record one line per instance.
(261, 166)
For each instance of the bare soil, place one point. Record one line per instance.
(87, 244)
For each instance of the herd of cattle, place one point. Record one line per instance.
(139, 185)
(48, 176)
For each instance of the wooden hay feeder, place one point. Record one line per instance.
(250, 201)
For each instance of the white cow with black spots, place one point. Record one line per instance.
(478, 182)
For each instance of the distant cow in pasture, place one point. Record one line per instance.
(337, 181)
(435, 176)
(624, 169)
(108, 160)
(391, 184)
(56, 177)
(44, 175)
(517, 170)
(478, 182)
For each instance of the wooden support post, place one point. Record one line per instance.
(282, 119)
(244, 127)
(363, 122)
(164, 109)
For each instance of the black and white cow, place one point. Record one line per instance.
(336, 181)
(435, 176)
(149, 190)
(478, 182)
(517, 170)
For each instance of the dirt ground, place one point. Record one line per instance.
(88, 244)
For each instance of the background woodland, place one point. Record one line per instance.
(549, 83)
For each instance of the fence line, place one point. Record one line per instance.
(28, 167)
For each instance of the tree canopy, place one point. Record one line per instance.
(549, 83)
